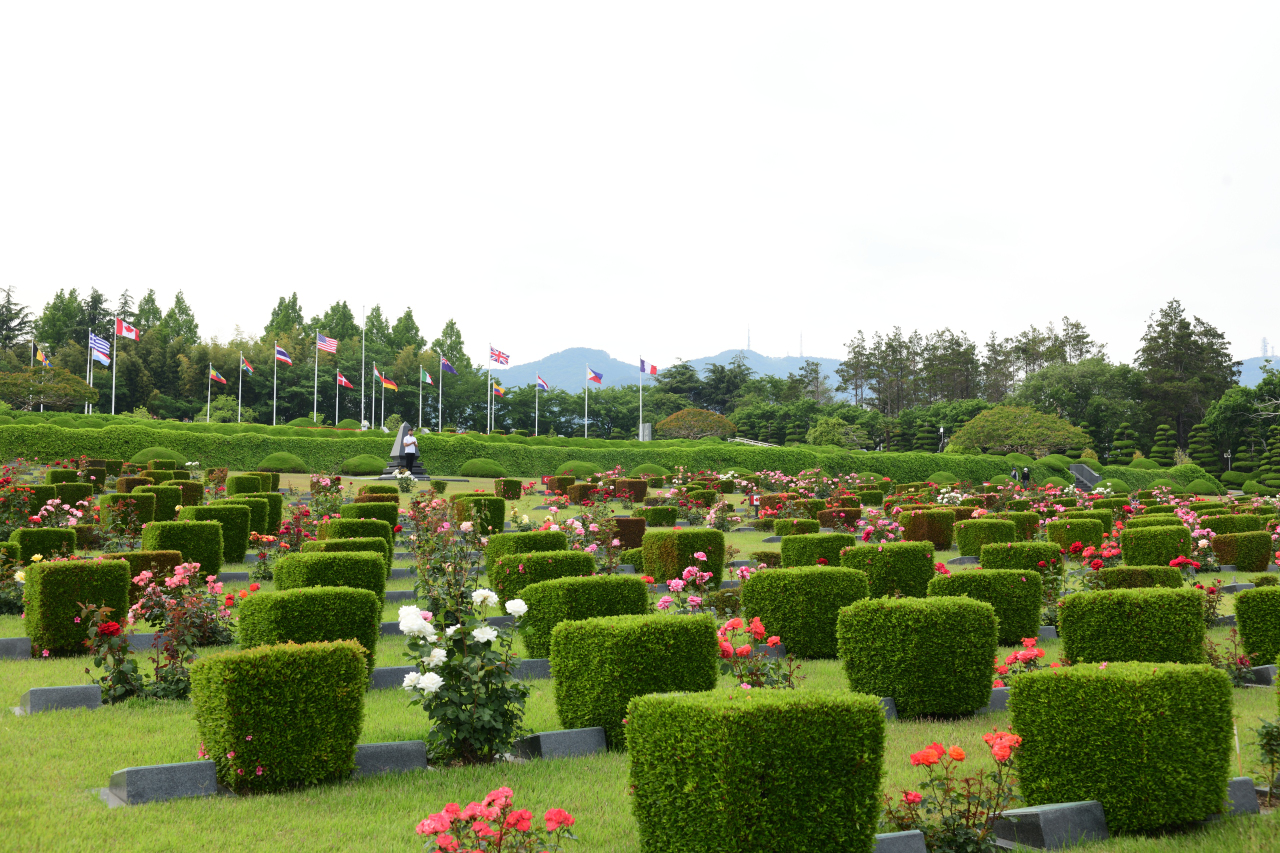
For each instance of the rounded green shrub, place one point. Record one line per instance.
(800, 605)
(1117, 487)
(1203, 487)
(1154, 546)
(894, 568)
(364, 465)
(566, 599)
(149, 454)
(579, 470)
(283, 463)
(647, 470)
(971, 535)
(1016, 597)
(482, 468)
(1157, 625)
(943, 478)
(1056, 482)
(1144, 464)
(932, 655)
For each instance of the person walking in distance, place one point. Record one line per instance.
(1026, 477)
(410, 450)
(1013, 474)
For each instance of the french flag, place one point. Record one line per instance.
(651, 369)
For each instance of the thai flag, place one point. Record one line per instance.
(326, 344)
(498, 356)
(124, 330)
(592, 376)
(542, 384)
(98, 344)
(446, 366)
(342, 380)
(650, 369)
(281, 355)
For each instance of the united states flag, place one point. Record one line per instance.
(498, 356)
(326, 344)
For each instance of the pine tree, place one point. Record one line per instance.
(926, 438)
(1162, 451)
(1200, 449)
(1269, 471)
(1123, 443)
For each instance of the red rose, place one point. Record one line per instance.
(397, 528)
(253, 587)
(109, 629)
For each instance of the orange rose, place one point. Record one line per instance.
(956, 753)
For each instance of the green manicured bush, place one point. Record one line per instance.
(657, 516)
(579, 470)
(54, 476)
(313, 612)
(1016, 596)
(486, 512)
(271, 483)
(894, 568)
(1154, 509)
(1248, 552)
(1064, 532)
(1232, 523)
(275, 508)
(800, 605)
(1268, 579)
(53, 594)
(159, 464)
(1022, 557)
(647, 470)
(364, 465)
(365, 543)
(197, 541)
(566, 599)
(379, 489)
(235, 522)
(1158, 520)
(507, 489)
(1164, 759)
(151, 454)
(1154, 546)
(510, 573)
(935, 526)
(192, 493)
(482, 468)
(294, 710)
(632, 490)
(667, 553)
(1258, 615)
(283, 463)
(932, 655)
(357, 528)
(973, 534)
(560, 485)
(1139, 577)
(599, 665)
(125, 485)
(1159, 625)
(524, 543)
(355, 569)
(806, 550)
(756, 762)
(45, 541)
(160, 563)
(258, 510)
(73, 493)
(633, 557)
(795, 526)
(388, 512)
(1204, 487)
(1102, 516)
(1117, 486)
(1025, 524)
(394, 500)
(144, 505)
(243, 484)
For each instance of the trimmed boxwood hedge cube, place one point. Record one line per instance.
(74, 493)
(871, 497)
(1162, 520)
(294, 710)
(363, 543)
(379, 489)
(566, 599)
(161, 476)
(1026, 524)
(1151, 742)
(973, 534)
(275, 509)
(524, 543)
(312, 614)
(932, 655)
(1018, 505)
(243, 484)
(633, 490)
(633, 557)
(1016, 596)
(160, 563)
(1102, 516)
(55, 476)
(192, 492)
(235, 527)
(579, 492)
(378, 498)
(1154, 546)
(125, 485)
(1164, 509)
(507, 488)
(179, 476)
(388, 512)
(96, 477)
(1022, 556)
(198, 541)
(657, 516)
(162, 465)
(45, 541)
(840, 518)
(270, 480)
(357, 528)
(1232, 523)
(511, 573)
(795, 526)
(1248, 552)
(599, 665)
(800, 605)
(1258, 615)
(168, 499)
(903, 568)
(487, 513)
(630, 531)
(757, 760)
(54, 591)
(1139, 577)
(936, 526)
(257, 512)
(561, 485)
(1159, 625)
(805, 550)
(1067, 531)
(706, 497)
(356, 569)
(667, 553)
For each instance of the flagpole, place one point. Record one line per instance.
(586, 397)
(88, 374)
(440, 401)
(489, 391)
(315, 381)
(275, 364)
(115, 355)
(208, 394)
(640, 426)
(383, 419)
(337, 389)
(535, 408)
(362, 325)
(419, 426)
(373, 398)
(240, 390)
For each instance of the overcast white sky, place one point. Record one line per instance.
(651, 178)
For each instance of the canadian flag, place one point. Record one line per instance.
(124, 330)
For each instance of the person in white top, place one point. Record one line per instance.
(410, 450)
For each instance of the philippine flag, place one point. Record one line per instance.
(542, 384)
(281, 355)
(592, 376)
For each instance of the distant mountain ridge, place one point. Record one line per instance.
(1251, 369)
(567, 369)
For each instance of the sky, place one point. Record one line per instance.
(651, 179)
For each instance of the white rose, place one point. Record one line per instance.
(412, 624)
(436, 658)
(466, 527)
(451, 630)
(20, 577)
(410, 681)
(430, 682)
(484, 598)
(485, 635)
(517, 608)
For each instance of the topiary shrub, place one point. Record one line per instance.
(73, 493)
(705, 497)
(1154, 546)
(1258, 615)
(1153, 768)
(840, 518)
(198, 542)
(800, 605)
(376, 544)
(807, 550)
(599, 665)
(1203, 487)
(150, 454)
(649, 470)
(45, 541)
(973, 534)
(507, 489)
(235, 521)
(770, 559)
(243, 484)
(1044, 558)
(97, 477)
(667, 553)
(657, 516)
(1016, 596)
(894, 568)
(501, 544)
(633, 557)
(630, 531)
(1158, 625)
(1232, 523)
(935, 526)
(125, 485)
(54, 591)
(1064, 532)
(160, 563)
(379, 489)
(357, 528)
(486, 512)
(364, 465)
(1117, 487)
(1025, 524)
(192, 493)
(1265, 580)
(394, 500)
(510, 573)
(356, 569)
(633, 490)
(578, 470)
(294, 710)
(795, 526)
(388, 512)
(1139, 577)
(314, 613)
(932, 655)
(275, 508)
(258, 511)
(772, 754)
(1248, 552)
(1157, 520)
(482, 468)
(573, 598)
(1102, 516)
(283, 463)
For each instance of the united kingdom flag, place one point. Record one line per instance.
(498, 355)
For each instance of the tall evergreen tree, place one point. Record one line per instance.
(148, 315)
(61, 320)
(180, 320)
(15, 322)
(285, 317)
